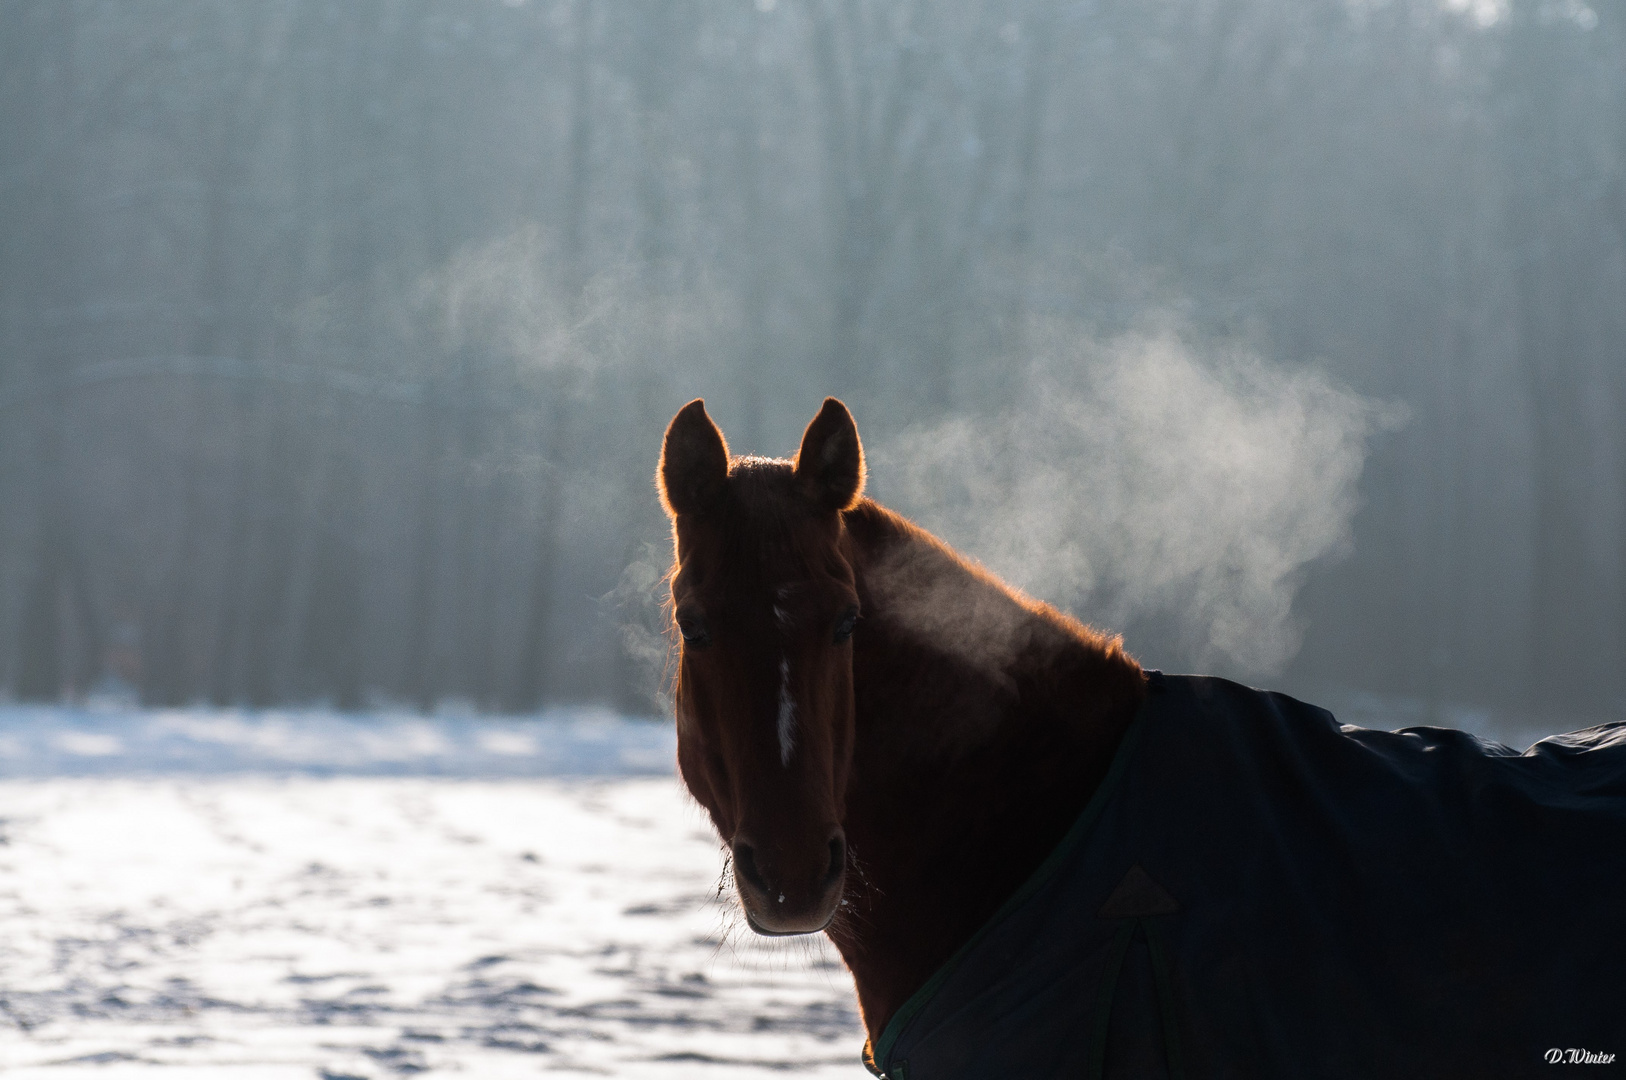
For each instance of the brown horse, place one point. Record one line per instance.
(1039, 860)
(888, 738)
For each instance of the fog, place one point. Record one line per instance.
(337, 338)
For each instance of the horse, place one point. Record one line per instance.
(957, 785)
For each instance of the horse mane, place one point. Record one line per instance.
(965, 621)
(878, 523)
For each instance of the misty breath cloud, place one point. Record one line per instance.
(1143, 478)
(512, 297)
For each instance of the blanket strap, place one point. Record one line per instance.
(1162, 978)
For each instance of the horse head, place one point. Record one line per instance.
(765, 598)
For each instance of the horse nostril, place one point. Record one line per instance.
(745, 865)
(838, 859)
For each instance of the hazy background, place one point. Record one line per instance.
(337, 338)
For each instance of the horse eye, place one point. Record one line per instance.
(693, 629)
(844, 628)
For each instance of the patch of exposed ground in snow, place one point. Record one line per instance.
(369, 927)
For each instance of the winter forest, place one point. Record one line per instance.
(337, 337)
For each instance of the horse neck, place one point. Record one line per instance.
(983, 725)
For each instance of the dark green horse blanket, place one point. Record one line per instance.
(1256, 891)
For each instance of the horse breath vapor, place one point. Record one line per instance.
(1146, 477)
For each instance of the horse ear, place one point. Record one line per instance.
(694, 462)
(830, 464)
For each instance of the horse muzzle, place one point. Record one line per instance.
(790, 890)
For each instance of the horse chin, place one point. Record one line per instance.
(788, 931)
(812, 916)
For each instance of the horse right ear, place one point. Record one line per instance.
(694, 462)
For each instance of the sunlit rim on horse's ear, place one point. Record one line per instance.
(830, 464)
(693, 474)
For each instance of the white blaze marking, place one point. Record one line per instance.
(782, 616)
(787, 714)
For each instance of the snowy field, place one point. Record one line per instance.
(203, 894)
(305, 895)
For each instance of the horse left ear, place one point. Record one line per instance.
(830, 464)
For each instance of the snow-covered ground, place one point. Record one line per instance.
(204, 894)
(198, 893)
(109, 740)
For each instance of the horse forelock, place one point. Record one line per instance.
(764, 531)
